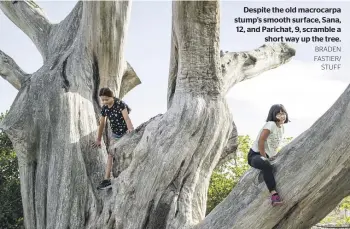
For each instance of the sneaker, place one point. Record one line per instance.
(104, 184)
(276, 200)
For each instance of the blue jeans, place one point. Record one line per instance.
(116, 136)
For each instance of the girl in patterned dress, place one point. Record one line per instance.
(117, 113)
(264, 148)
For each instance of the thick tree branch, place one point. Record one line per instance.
(195, 49)
(105, 26)
(239, 66)
(123, 149)
(63, 35)
(129, 80)
(11, 72)
(30, 18)
(312, 174)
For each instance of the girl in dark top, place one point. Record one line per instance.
(117, 113)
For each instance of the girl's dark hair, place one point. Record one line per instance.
(105, 91)
(274, 110)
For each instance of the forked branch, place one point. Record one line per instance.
(30, 18)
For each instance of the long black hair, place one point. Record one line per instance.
(274, 110)
(105, 91)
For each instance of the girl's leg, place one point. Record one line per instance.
(262, 163)
(110, 157)
(109, 167)
(107, 182)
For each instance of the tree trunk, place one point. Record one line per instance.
(163, 168)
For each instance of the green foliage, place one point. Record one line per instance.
(340, 215)
(11, 213)
(345, 204)
(221, 184)
(225, 177)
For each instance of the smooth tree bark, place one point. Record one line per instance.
(163, 168)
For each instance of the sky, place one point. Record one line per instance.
(300, 85)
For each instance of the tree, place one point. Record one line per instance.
(164, 167)
(11, 213)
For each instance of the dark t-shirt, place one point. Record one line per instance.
(115, 116)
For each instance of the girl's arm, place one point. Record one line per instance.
(261, 143)
(127, 120)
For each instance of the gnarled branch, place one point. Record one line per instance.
(11, 72)
(30, 18)
(129, 80)
(239, 66)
